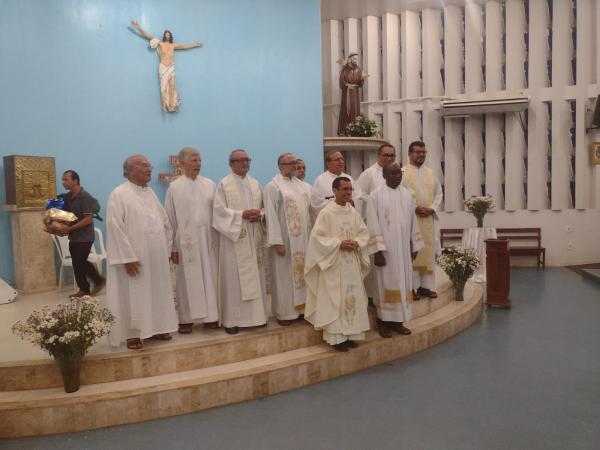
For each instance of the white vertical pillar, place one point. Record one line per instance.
(561, 76)
(494, 123)
(583, 170)
(453, 57)
(391, 56)
(494, 152)
(493, 46)
(473, 48)
(515, 81)
(453, 163)
(371, 57)
(473, 84)
(537, 151)
(352, 36)
(410, 42)
(432, 34)
(515, 45)
(411, 54)
(332, 53)
(454, 152)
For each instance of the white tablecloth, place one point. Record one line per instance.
(474, 238)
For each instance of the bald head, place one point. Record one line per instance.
(138, 170)
(392, 173)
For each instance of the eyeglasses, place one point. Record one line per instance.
(144, 165)
(241, 160)
(291, 163)
(336, 160)
(388, 155)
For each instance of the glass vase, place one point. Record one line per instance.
(459, 290)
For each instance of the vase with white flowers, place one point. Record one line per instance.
(66, 332)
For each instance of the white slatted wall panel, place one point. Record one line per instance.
(494, 48)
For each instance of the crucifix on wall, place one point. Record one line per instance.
(166, 69)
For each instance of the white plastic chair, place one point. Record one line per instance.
(98, 253)
(61, 243)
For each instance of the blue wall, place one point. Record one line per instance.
(78, 84)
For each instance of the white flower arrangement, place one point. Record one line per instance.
(479, 206)
(66, 330)
(362, 127)
(459, 263)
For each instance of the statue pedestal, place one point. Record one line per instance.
(32, 251)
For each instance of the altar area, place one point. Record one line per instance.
(199, 371)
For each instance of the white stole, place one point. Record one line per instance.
(296, 226)
(246, 261)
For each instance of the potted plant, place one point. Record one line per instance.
(66, 332)
(460, 264)
(479, 206)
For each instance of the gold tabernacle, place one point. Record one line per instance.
(30, 180)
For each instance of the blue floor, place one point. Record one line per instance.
(528, 378)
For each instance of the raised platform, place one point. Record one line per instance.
(211, 369)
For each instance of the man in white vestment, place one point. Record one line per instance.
(301, 171)
(189, 205)
(138, 289)
(321, 192)
(394, 243)
(288, 230)
(427, 192)
(336, 264)
(370, 179)
(237, 216)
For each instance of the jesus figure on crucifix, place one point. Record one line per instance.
(166, 69)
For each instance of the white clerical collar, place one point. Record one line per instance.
(190, 179)
(238, 176)
(334, 175)
(417, 167)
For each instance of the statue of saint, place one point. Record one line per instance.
(166, 69)
(351, 79)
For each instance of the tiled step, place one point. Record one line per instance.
(205, 348)
(47, 411)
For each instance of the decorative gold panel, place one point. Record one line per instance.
(30, 180)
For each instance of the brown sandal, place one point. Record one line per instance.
(185, 328)
(162, 337)
(135, 344)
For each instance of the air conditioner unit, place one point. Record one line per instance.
(463, 108)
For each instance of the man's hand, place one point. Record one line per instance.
(414, 255)
(280, 249)
(251, 215)
(379, 259)
(135, 23)
(348, 245)
(133, 268)
(422, 211)
(198, 44)
(175, 257)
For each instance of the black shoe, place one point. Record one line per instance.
(343, 347)
(351, 344)
(232, 330)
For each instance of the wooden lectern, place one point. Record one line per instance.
(498, 273)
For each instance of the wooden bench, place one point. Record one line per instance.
(531, 237)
